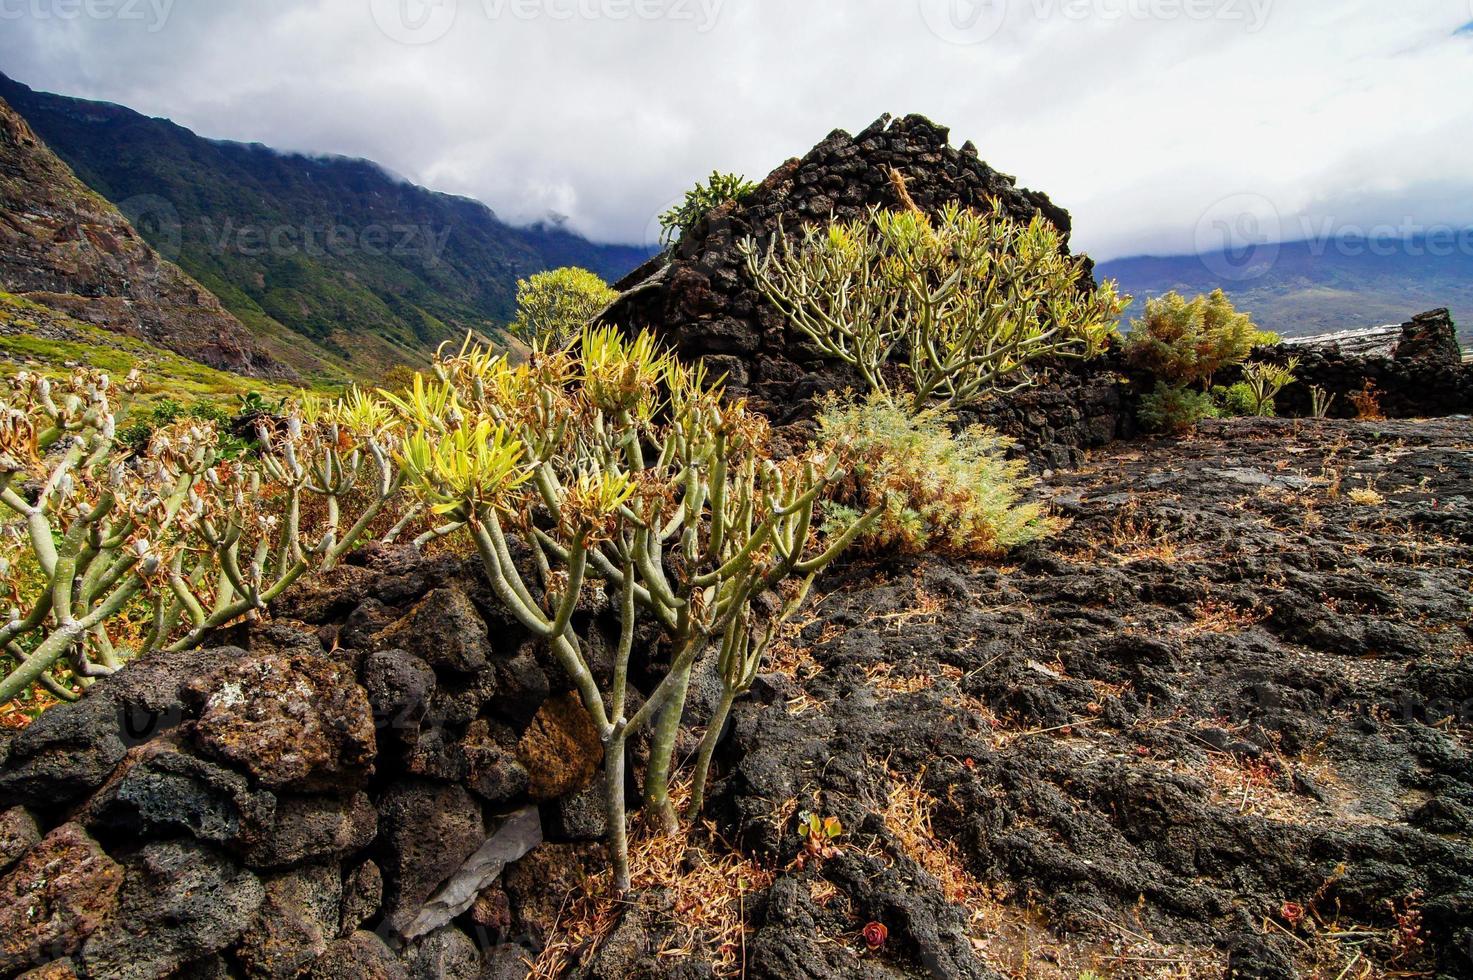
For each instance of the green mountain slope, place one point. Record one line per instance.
(338, 266)
(1303, 288)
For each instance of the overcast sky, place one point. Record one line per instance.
(1159, 123)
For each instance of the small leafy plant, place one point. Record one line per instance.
(934, 490)
(1175, 409)
(1265, 381)
(1185, 342)
(819, 836)
(700, 201)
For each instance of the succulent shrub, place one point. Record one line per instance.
(936, 312)
(625, 472)
(554, 307)
(700, 201)
(193, 539)
(1175, 408)
(1186, 342)
(1320, 402)
(935, 490)
(1265, 381)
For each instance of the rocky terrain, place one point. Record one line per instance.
(1218, 726)
(698, 294)
(1223, 718)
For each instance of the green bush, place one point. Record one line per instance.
(554, 307)
(937, 312)
(1186, 342)
(700, 201)
(1175, 408)
(936, 491)
(1235, 401)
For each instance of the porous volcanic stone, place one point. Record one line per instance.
(295, 924)
(361, 956)
(426, 832)
(444, 630)
(314, 828)
(18, 834)
(184, 901)
(160, 790)
(561, 749)
(60, 893)
(298, 723)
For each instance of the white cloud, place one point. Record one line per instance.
(1137, 115)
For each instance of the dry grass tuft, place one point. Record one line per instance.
(1212, 616)
(703, 895)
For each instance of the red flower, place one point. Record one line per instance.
(875, 935)
(1293, 913)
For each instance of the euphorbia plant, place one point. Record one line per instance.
(179, 530)
(624, 469)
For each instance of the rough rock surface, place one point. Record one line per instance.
(65, 247)
(296, 723)
(61, 892)
(1234, 691)
(1236, 686)
(1422, 375)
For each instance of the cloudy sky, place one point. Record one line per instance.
(1162, 124)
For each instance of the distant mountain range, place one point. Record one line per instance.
(1303, 288)
(338, 267)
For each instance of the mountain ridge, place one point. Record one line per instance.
(340, 266)
(64, 246)
(1313, 286)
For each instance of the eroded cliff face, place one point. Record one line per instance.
(63, 246)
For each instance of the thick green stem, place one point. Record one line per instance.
(662, 751)
(708, 748)
(615, 811)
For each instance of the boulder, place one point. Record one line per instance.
(295, 723)
(297, 920)
(314, 828)
(426, 832)
(561, 749)
(159, 790)
(184, 901)
(495, 773)
(399, 687)
(446, 954)
(62, 891)
(444, 630)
